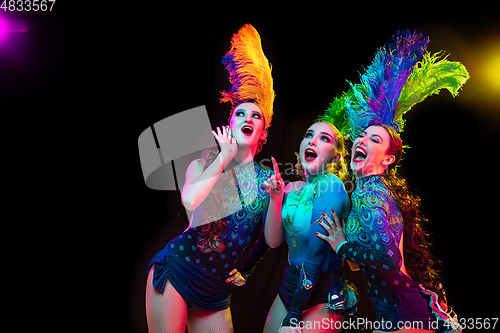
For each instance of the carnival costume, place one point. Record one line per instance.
(197, 271)
(313, 273)
(391, 85)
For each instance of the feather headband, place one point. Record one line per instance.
(397, 79)
(249, 73)
(335, 113)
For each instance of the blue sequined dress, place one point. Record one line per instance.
(373, 232)
(313, 270)
(200, 277)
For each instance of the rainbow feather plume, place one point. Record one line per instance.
(249, 73)
(430, 75)
(375, 98)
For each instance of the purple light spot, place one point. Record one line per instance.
(9, 27)
(4, 27)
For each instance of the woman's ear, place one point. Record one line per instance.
(388, 160)
(336, 158)
(263, 135)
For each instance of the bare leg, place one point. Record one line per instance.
(203, 321)
(320, 319)
(275, 317)
(167, 312)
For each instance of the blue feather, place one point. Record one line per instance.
(376, 97)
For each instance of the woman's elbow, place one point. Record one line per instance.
(271, 245)
(274, 243)
(188, 203)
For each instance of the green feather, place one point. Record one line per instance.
(335, 113)
(430, 75)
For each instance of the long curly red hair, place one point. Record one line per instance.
(419, 260)
(210, 240)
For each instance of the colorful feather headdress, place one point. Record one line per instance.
(401, 75)
(335, 114)
(249, 73)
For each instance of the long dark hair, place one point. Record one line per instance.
(211, 232)
(419, 260)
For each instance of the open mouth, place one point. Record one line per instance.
(247, 130)
(359, 154)
(310, 155)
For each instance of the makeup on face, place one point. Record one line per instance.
(369, 152)
(318, 148)
(247, 124)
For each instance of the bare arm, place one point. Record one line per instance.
(273, 226)
(200, 182)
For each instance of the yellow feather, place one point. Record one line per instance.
(249, 72)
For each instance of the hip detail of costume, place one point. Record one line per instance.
(200, 277)
(313, 270)
(373, 232)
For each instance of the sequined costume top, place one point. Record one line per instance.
(246, 203)
(373, 232)
(307, 252)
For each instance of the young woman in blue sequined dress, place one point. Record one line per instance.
(384, 235)
(313, 282)
(384, 232)
(189, 281)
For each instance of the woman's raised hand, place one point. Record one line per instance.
(228, 145)
(275, 185)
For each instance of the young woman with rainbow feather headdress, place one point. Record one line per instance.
(313, 288)
(383, 233)
(189, 281)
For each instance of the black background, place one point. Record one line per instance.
(82, 84)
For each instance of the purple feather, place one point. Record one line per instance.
(402, 56)
(383, 80)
